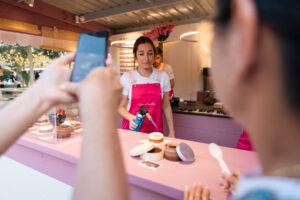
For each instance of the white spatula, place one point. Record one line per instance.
(216, 152)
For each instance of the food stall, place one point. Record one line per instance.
(195, 124)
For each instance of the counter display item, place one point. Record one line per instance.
(59, 117)
(199, 108)
(63, 131)
(155, 154)
(185, 152)
(59, 125)
(156, 137)
(8, 94)
(45, 129)
(42, 120)
(149, 165)
(170, 152)
(149, 151)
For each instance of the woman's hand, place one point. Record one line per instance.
(101, 87)
(171, 134)
(196, 192)
(132, 125)
(230, 181)
(167, 110)
(47, 86)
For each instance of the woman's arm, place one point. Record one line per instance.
(125, 114)
(170, 72)
(172, 83)
(21, 113)
(122, 108)
(100, 173)
(167, 110)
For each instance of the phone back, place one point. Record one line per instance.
(91, 53)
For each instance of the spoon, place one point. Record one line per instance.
(216, 152)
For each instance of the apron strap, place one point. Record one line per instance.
(131, 77)
(163, 67)
(158, 76)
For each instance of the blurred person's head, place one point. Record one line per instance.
(36, 75)
(144, 52)
(255, 65)
(158, 57)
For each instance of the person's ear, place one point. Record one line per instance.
(244, 36)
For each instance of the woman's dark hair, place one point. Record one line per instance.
(283, 17)
(159, 51)
(142, 40)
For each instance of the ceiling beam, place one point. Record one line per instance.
(143, 28)
(17, 26)
(44, 14)
(139, 5)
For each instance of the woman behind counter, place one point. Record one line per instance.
(165, 68)
(146, 86)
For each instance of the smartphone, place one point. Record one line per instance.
(91, 53)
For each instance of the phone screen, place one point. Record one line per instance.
(91, 53)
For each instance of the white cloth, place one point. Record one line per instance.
(168, 69)
(127, 84)
(254, 186)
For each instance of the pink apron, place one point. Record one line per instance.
(148, 95)
(171, 94)
(244, 142)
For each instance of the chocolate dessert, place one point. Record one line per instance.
(63, 131)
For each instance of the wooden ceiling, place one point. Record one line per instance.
(134, 15)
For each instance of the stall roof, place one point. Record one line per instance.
(134, 15)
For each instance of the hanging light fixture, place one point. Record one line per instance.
(79, 19)
(29, 2)
(123, 43)
(183, 36)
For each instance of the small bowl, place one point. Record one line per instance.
(170, 152)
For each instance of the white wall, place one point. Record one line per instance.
(18, 181)
(114, 51)
(186, 58)
(183, 57)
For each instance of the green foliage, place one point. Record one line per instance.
(13, 54)
(16, 57)
(25, 76)
(6, 74)
(49, 53)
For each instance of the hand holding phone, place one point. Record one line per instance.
(91, 53)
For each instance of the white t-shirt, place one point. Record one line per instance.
(127, 84)
(168, 69)
(253, 186)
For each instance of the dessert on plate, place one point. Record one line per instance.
(63, 131)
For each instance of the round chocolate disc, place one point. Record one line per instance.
(185, 152)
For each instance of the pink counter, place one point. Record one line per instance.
(167, 182)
